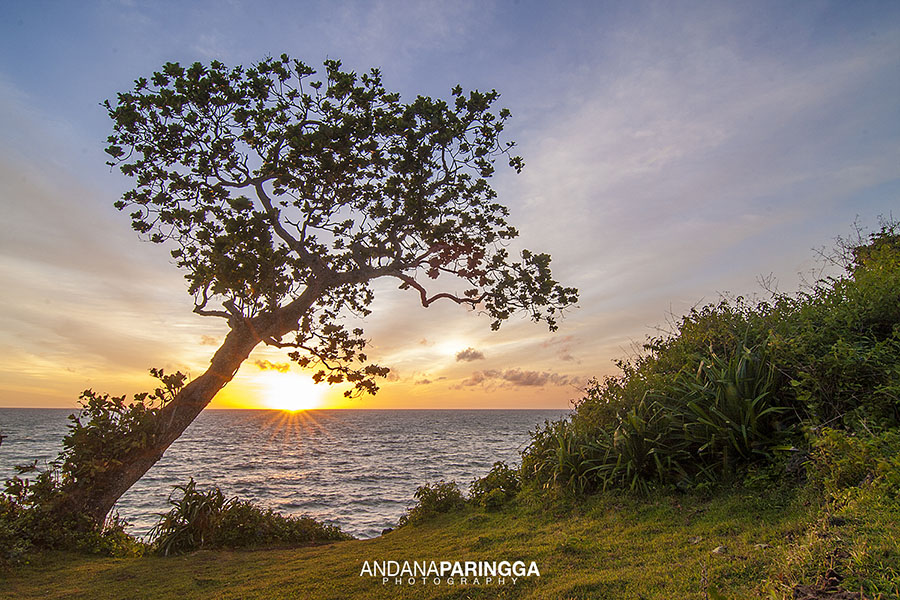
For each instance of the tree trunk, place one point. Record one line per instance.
(95, 499)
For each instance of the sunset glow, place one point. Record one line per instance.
(290, 391)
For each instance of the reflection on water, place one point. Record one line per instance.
(356, 468)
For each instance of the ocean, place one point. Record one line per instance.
(357, 469)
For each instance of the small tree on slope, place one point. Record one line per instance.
(285, 196)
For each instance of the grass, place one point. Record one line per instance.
(609, 547)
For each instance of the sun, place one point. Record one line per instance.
(291, 391)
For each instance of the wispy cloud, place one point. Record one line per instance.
(520, 378)
(266, 365)
(401, 33)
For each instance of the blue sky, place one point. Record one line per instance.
(674, 151)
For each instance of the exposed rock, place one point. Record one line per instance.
(387, 531)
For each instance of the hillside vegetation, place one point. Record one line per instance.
(740, 384)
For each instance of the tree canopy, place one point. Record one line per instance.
(284, 196)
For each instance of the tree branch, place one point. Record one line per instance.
(200, 308)
(312, 261)
(426, 301)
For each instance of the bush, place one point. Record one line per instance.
(33, 513)
(558, 455)
(731, 410)
(840, 460)
(434, 499)
(645, 447)
(207, 519)
(495, 489)
(840, 341)
(28, 522)
(664, 428)
(14, 544)
(737, 382)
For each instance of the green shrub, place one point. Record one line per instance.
(685, 428)
(557, 456)
(14, 544)
(495, 499)
(646, 447)
(207, 519)
(495, 489)
(434, 499)
(245, 524)
(105, 430)
(839, 342)
(731, 410)
(28, 522)
(840, 460)
(191, 522)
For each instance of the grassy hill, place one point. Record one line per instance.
(611, 546)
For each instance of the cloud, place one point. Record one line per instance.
(402, 38)
(266, 365)
(424, 382)
(211, 46)
(209, 340)
(684, 132)
(563, 346)
(469, 355)
(520, 378)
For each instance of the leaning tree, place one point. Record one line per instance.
(283, 197)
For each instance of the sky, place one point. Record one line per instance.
(674, 152)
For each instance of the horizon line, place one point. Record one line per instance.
(290, 411)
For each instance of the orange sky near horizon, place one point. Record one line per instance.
(468, 369)
(254, 388)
